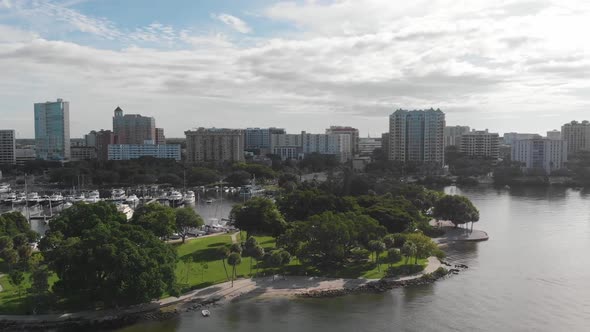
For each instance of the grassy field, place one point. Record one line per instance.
(199, 265)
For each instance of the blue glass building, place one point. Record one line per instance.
(52, 130)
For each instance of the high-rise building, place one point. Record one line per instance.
(554, 134)
(133, 128)
(136, 151)
(417, 136)
(260, 138)
(540, 153)
(82, 153)
(353, 132)
(7, 147)
(453, 134)
(103, 139)
(385, 144)
(52, 130)
(577, 136)
(368, 144)
(509, 138)
(287, 146)
(214, 145)
(338, 145)
(480, 144)
(90, 138)
(160, 137)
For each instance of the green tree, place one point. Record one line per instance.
(457, 209)
(222, 253)
(106, 260)
(377, 247)
(249, 247)
(409, 250)
(258, 254)
(236, 247)
(238, 178)
(16, 278)
(279, 258)
(234, 259)
(425, 247)
(186, 220)
(258, 216)
(156, 218)
(393, 256)
(389, 241)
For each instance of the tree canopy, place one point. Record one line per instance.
(156, 218)
(258, 216)
(457, 209)
(186, 220)
(100, 259)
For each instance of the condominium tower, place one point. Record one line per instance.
(353, 132)
(214, 145)
(417, 136)
(52, 130)
(480, 143)
(577, 136)
(7, 147)
(540, 153)
(133, 128)
(453, 134)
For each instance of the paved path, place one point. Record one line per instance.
(458, 234)
(234, 237)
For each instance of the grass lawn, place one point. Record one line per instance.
(10, 301)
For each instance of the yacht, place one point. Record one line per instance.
(175, 198)
(4, 188)
(126, 210)
(67, 205)
(225, 189)
(56, 198)
(132, 199)
(250, 191)
(33, 198)
(189, 197)
(163, 197)
(21, 198)
(79, 198)
(10, 198)
(93, 197)
(118, 195)
(209, 201)
(44, 199)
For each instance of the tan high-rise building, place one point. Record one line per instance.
(417, 136)
(480, 144)
(214, 145)
(577, 136)
(133, 128)
(160, 137)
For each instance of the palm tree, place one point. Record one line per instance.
(377, 247)
(223, 252)
(234, 259)
(409, 249)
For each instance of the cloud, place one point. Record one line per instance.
(234, 23)
(347, 61)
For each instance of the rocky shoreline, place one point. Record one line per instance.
(378, 286)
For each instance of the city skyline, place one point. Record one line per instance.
(302, 65)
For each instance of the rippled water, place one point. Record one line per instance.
(532, 275)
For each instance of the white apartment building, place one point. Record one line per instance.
(480, 143)
(339, 145)
(287, 146)
(136, 151)
(540, 153)
(509, 138)
(417, 136)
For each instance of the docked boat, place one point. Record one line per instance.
(205, 313)
(118, 195)
(175, 198)
(21, 198)
(209, 201)
(250, 191)
(126, 210)
(9, 199)
(79, 198)
(132, 199)
(67, 205)
(93, 197)
(33, 198)
(189, 197)
(45, 199)
(56, 198)
(4, 188)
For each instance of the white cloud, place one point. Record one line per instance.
(234, 23)
(349, 62)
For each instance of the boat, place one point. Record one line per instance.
(205, 313)
(93, 197)
(44, 199)
(189, 197)
(9, 199)
(4, 188)
(56, 198)
(118, 195)
(21, 198)
(250, 191)
(33, 198)
(225, 189)
(126, 210)
(209, 201)
(67, 205)
(175, 198)
(132, 199)
(79, 198)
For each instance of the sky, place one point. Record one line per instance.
(501, 65)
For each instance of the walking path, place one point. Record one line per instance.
(458, 234)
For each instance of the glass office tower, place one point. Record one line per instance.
(52, 130)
